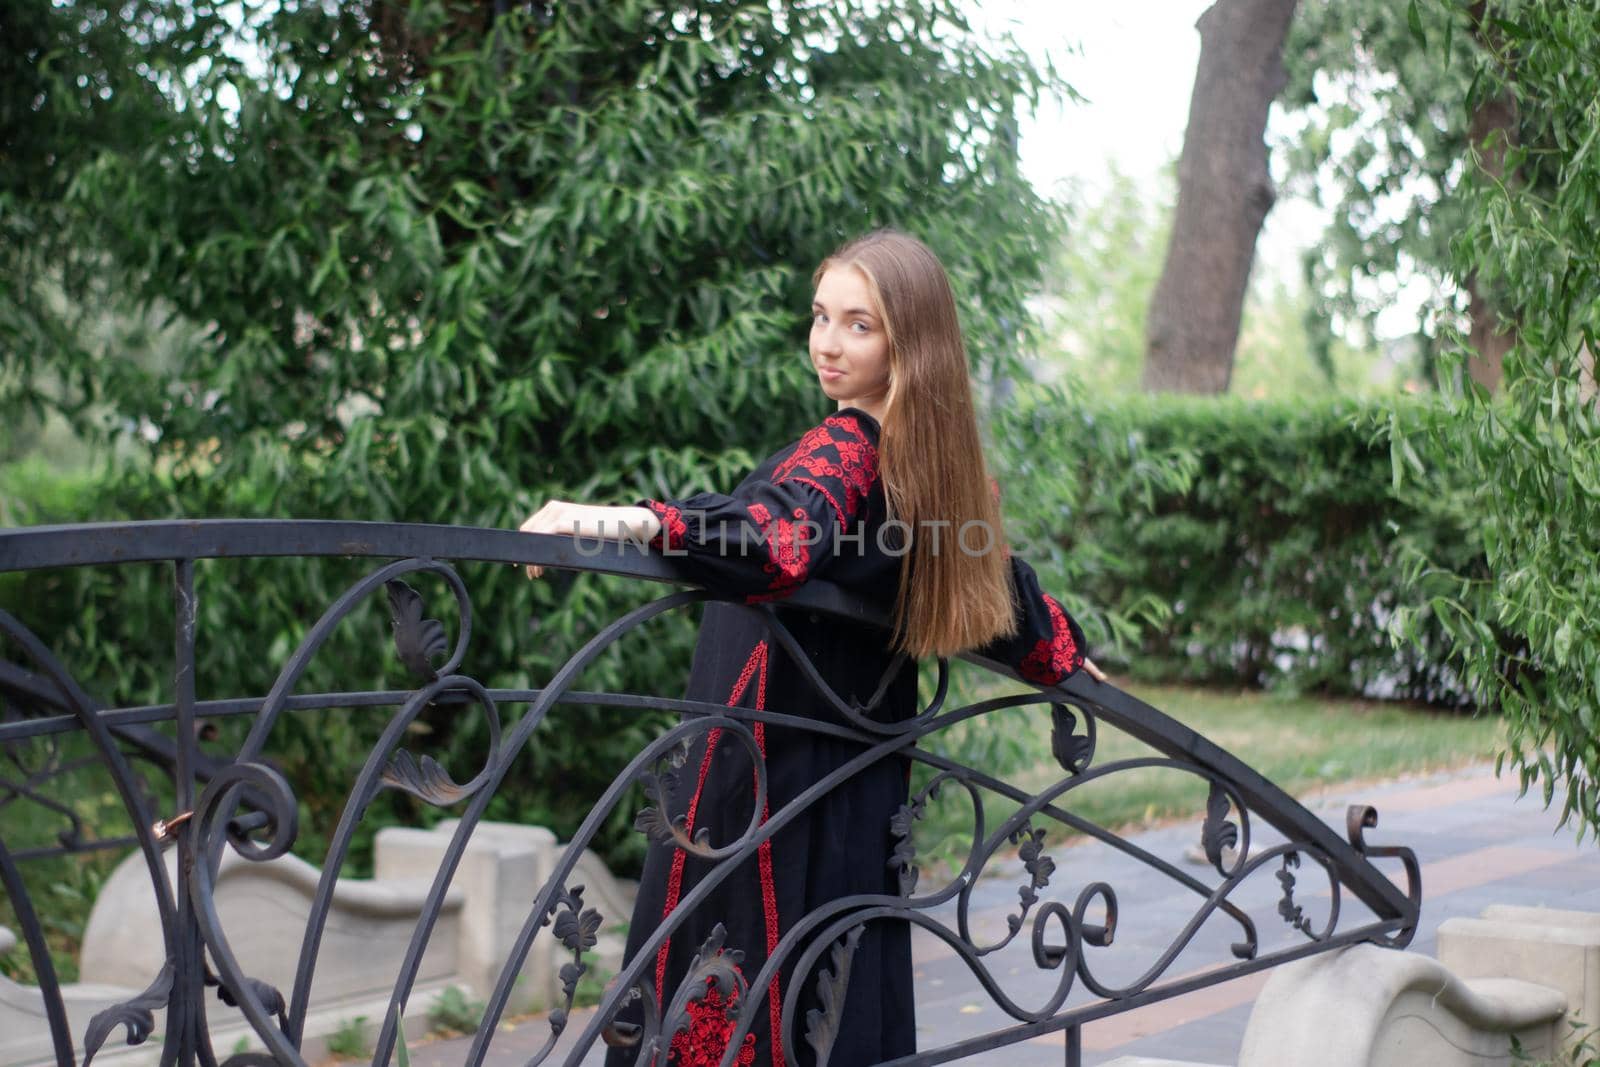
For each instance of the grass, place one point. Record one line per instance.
(1301, 743)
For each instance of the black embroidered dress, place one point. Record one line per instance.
(841, 845)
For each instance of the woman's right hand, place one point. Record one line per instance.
(556, 517)
(589, 520)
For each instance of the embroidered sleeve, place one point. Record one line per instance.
(772, 536)
(1048, 644)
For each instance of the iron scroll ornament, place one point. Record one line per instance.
(243, 807)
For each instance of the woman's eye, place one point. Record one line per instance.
(860, 327)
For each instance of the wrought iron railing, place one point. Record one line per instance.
(245, 805)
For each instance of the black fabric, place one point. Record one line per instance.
(748, 545)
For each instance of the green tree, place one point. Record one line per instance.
(446, 260)
(1388, 109)
(1529, 635)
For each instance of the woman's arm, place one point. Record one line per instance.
(1048, 644)
(591, 521)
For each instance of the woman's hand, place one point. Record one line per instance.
(553, 518)
(595, 521)
(1094, 672)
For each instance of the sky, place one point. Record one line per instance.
(1134, 62)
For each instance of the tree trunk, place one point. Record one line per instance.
(1489, 340)
(1224, 193)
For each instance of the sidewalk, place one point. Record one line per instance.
(1478, 845)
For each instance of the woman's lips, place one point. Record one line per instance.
(829, 374)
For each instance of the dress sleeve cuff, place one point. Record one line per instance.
(1055, 657)
(673, 527)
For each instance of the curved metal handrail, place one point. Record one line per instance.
(193, 930)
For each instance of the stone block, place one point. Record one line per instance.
(501, 870)
(1378, 1007)
(263, 909)
(1556, 948)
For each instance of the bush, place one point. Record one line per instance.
(1278, 535)
(555, 252)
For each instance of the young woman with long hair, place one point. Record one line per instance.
(888, 496)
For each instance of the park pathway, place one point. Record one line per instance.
(1478, 844)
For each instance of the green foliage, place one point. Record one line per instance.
(1532, 456)
(1238, 542)
(349, 1040)
(425, 263)
(1382, 132)
(32, 493)
(453, 1011)
(1579, 1051)
(591, 987)
(402, 1048)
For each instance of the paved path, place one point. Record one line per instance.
(1477, 842)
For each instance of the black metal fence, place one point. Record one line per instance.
(245, 805)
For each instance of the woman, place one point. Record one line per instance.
(901, 456)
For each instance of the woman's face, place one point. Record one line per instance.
(849, 342)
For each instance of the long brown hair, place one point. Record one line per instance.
(930, 455)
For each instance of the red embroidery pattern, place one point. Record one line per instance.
(1054, 658)
(673, 528)
(675, 878)
(711, 1024)
(712, 1020)
(757, 658)
(838, 512)
(788, 555)
(769, 889)
(805, 452)
(856, 468)
(791, 556)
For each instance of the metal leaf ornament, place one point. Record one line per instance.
(425, 780)
(1218, 834)
(136, 1014)
(1039, 867)
(822, 1024)
(904, 857)
(653, 822)
(578, 930)
(1288, 910)
(1071, 750)
(266, 994)
(418, 641)
(901, 825)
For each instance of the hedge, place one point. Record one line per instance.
(1281, 537)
